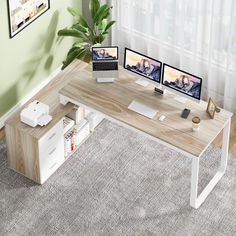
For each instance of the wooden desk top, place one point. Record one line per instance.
(113, 99)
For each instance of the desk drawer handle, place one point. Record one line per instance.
(50, 153)
(51, 136)
(53, 165)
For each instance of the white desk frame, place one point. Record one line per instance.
(195, 199)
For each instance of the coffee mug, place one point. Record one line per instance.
(196, 123)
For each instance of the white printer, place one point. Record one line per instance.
(35, 114)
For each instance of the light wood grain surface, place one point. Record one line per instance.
(113, 100)
(232, 143)
(217, 142)
(71, 73)
(23, 151)
(49, 96)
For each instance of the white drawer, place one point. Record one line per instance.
(50, 159)
(55, 133)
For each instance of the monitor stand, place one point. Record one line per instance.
(142, 82)
(159, 89)
(181, 99)
(105, 80)
(142, 109)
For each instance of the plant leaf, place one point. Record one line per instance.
(94, 5)
(102, 12)
(109, 25)
(80, 28)
(72, 55)
(83, 22)
(102, 25)
(96, 45)
(72, 50)
(82, 45)
(76, 13)
(72, 33)
(99, 39)
(82, 54)
(108, 13)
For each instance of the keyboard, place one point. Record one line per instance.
(103, 66)
(142, 109)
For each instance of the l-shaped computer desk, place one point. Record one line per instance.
(112, 101)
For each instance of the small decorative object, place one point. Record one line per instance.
(196, 121)
(87, 35)
(218, 110)
(211, 108)
(23, 12)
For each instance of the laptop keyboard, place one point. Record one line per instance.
(102, 66)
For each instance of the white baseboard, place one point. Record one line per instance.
(28, 96)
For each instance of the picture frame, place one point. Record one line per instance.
(23, 13)
(211, 108)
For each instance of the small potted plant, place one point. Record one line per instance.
(87, 35)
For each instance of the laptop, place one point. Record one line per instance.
(105, 63)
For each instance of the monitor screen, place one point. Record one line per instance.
(142, 65)
(104, 53)
(182, 81)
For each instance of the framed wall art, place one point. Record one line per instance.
(23, 12)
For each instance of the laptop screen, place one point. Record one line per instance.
(104, 53)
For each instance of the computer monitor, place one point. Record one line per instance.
(104, 53)
(146, 68)
(181, 82)
(105, 63)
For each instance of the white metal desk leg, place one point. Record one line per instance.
(195, 200)
(194, 181)
(225, 147)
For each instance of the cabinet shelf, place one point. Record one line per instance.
(69, 155)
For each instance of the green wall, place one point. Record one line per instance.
(34, 53)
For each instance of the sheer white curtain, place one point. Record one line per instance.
(198, 36)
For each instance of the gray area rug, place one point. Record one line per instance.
(118, 183)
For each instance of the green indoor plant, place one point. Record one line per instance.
(87, 35)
